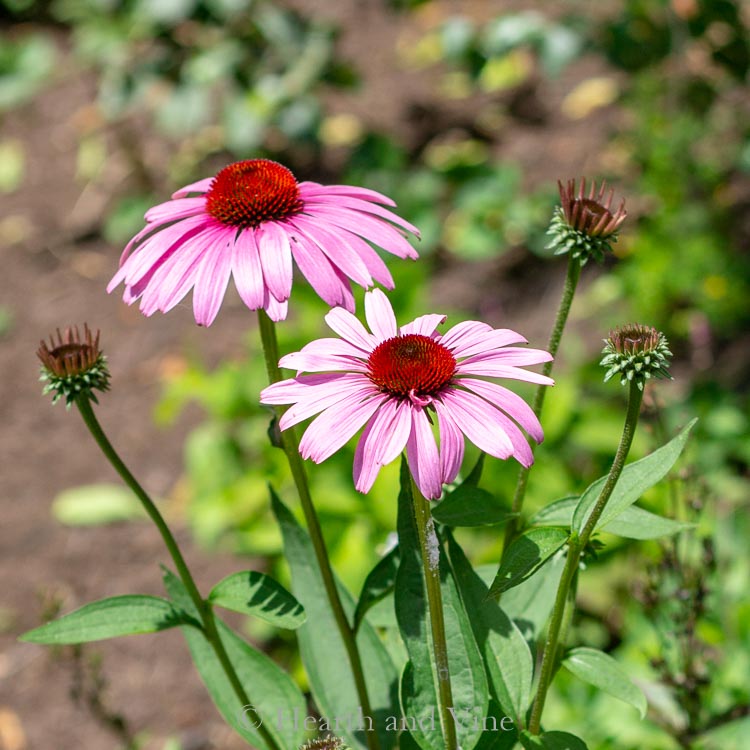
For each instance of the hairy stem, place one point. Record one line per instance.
(571, 282)
(430, 550)
(576, 545)
(290, 444)
(204, 608)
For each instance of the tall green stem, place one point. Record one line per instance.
(290, 444)
(204, 608)
(430, 549)
(569, 289)
(576, 545)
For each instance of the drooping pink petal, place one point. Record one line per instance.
(336, 426)
(492, 370)
(247, 270)
(275, 258)
(465, 334)
(276, 310)
(357, 205)
(451, 444)
(311, 189)
(302, 362)
(511, 403)
(423, 458)
(379, 314)
(211, 282)
(299, 388)
(324, 397)
(176, 209)
(477, 420)
(318, 271)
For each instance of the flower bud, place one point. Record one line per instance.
(73, 366)
(584, 226)
(637, 353)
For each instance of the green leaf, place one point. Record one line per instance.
(635, 479)
(602, 671)
(552, 741)
(111, 618)
(633, 522)
(526, 555)
(637, 523)
(378, 584)
(253, 593)
(322, 649)
(96, 505)
(507, 656)
(468, 505)
(271, 690)
(419, 692)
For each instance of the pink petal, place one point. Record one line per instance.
(201, 186)
(336, 426)
(423, 458)
(275, 310)
(333, 346)
(451, 444)
(375, 265)
(324, 397)
(335, 246)
(379, 315)
(292, 390)
(211, 282)
(491, 341)
(464, 334)
(365, 470)
(357, 205)
(349, 328)
(513, 356)
(176, 209)
(477, 420)
(317, 269)
(276, 258)
(509, 402)
(246, 269)
(425, 325)
(302, 362)
(310, 189)
(502, 371)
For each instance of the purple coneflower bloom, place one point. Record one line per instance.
(395, 382)
(251, 221)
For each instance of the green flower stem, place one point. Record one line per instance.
(569, 290)
(430, 549)
(204, 608)
(290, 444)
(576, 545)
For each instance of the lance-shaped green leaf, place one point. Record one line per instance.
(507, 656)
(378, 584)
(635, 479)
(552, 741)
(632, 523)
(602, 671)
(419, 691)
(111, 618)
(526, 555)
(253, 593)
(272, 691)
(468, 505)
(323, 651)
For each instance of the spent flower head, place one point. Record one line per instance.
(585, 225)
(637, 353)
(399, 382)
(73, 365)
(253, 221)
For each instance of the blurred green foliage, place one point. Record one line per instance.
(218, 80)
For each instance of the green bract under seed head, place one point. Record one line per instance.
(637, 353)
(329, 743)
(585, 226)
(73, 365)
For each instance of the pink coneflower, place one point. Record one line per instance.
(251, 220)
(396, 381)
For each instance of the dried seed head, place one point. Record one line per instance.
(73, 365)
(637, 353)
(585, 225)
